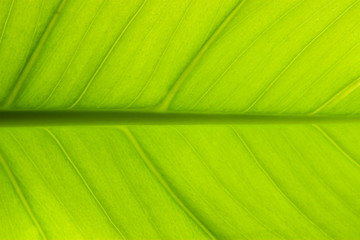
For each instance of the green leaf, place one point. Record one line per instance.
(251, 182)
(283, 57)
(155, 119)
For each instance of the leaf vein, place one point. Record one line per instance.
(43, 178)
(164, 182)
(63, 150)
(73, 56)
(107, 55)
(325, 73)
(320, 178)
(275, 184)
(300, 53)
(340, 95)
(224, 187)
(21, 195)
(160, 58)
(165, 102)
(217, 80)
(336, 145)
(6, 21)
(30, 62)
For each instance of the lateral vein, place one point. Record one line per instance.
(21, 196)
(107, 55)
(337, 146)
(149, 80)
(19, 82)
(244, 51)
(165, 102)
(225, 188)
(6, 21)
(321, 77)
(164, 182)
(62, 148)
(73, 56)
(293, 60)
(340, 95)
(46, 182)
(276, 186)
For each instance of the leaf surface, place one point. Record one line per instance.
(155, 119)
(285, 57)
(185, 182)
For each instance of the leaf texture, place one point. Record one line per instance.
(182, 182)
(184, 119)
(251, 57)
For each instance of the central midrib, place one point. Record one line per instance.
(108, 118)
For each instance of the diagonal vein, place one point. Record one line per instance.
(300, 53)
(6, 21)
(321, 77)
(251, 74)
(43, 178)
(41, 8)
(337, 146)
(165, 102)
(149, 80)
(164, 182)
(267, 28)
(139, 48)
(107, 55)
(19, 82)
(21, 195)
(338, 96)
(73, 56)
(321, 179)
(276, 186)
(224, 187)
(144, 208)
(62, 148)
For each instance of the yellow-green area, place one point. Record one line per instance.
(180, 119)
